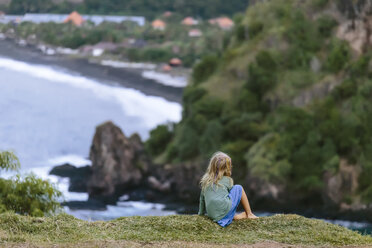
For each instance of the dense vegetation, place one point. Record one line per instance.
(147, 8)
(250, 101)
(173, 231)
(26, 195)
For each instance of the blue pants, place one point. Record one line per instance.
(235, 195)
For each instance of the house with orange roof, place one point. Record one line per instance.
(189, 21)
(223, 22)
(175, 62)
(195, 33)
(158, 24)
(167, 13)
(75, 18)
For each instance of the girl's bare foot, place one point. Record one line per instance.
(240, 216)
(252, 216)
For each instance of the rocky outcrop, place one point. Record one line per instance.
(78, 176)
(339, 188)
(117, 162)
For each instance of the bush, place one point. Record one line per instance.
(240, 33)
(302, 33)
(265, 160)
(247, 101)
(210, 107)
(211, 139)
(347, 89)
(255, 28)
(159, 139)
(29, 195)
(246, 126)
(187, 145)
(236, 149)
(204, 69)
(338, 57)
(319, 4)
(326, 25)
(360, 68)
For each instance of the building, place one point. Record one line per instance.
(189, 21)
(195, 33)
(158, 24)
(75, 18)
(167, 14)
(224, 23)
(175, 62)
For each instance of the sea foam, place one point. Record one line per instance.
(153, 110)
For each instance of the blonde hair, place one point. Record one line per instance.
(219, 166)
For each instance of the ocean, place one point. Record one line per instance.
(48, 117)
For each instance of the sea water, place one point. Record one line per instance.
(48, 117)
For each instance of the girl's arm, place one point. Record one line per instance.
(201, 204)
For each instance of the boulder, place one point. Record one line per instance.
(340, 187)
(117, 164)
(79, 176)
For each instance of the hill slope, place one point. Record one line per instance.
(65, 230)
(289, 100)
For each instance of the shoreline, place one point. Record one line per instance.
(124, 77)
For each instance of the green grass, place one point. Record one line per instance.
(65, 230)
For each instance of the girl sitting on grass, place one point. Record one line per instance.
(219, 198)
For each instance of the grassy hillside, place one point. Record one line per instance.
(288, 99)
(65, 230)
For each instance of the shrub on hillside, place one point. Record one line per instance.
(262, 74)
(338, 57)
(158, 140)
(204, 69)
(326, 25)
(211, 139)
(255, 28)
(27, 195)
(210, 107)
(187, 147)
(264, 160)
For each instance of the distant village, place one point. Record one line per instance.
(193, 29)
(78, 20)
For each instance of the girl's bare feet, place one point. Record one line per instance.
(240, 216)
(252, 216)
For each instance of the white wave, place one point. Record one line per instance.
(132, 65)
(114, 212)
(349, 224)
(152, 109)
(166, 79)
(72, 159)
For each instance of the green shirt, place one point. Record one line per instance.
(215, 199)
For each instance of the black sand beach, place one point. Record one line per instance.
(129, 78)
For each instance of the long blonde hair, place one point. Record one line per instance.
(219, 166)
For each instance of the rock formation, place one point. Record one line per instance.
(116, 162)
